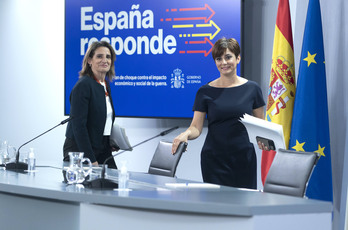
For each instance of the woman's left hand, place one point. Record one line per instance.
(115, 149)
(262, 146)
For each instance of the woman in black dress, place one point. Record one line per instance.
(227, 157)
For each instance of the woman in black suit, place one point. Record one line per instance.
(91, 106)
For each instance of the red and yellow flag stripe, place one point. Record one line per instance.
(282, 87)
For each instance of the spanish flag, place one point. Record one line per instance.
(282, 87)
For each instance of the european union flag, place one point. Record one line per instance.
(310, 122)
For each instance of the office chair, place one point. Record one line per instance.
(164, 163)
(290, 172)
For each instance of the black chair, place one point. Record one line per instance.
(164, 163)
(290, 172)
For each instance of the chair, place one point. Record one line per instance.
(290, 172)
(164, 163)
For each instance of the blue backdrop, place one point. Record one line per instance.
(163, 49)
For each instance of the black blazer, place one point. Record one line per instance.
(88, 108)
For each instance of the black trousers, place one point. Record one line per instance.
(100, 154)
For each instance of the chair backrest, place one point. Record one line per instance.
(164, 162)
(290, 172)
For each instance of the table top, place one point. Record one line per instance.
(157, 193)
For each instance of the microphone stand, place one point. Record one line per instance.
(21, 166)
(103, 183)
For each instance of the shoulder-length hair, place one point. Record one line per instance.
(87, 70)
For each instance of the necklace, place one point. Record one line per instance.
(104, 85)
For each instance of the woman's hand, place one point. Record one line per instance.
(259, 113)
(115, 149)
(192, 132)
(183, 137)
(262, 146)
(95, 163)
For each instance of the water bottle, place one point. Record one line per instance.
(123, 177)
(31, 161)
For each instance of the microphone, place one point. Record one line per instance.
(66, 120)
(168, 131)
(21, 166)
(103, 183)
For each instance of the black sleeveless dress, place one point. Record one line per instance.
(227, 157)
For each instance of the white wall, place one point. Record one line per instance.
(32, 82)
(32, 60)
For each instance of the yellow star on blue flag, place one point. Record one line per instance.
(310, 59)
(320, 150)
(310, 120)
(299, 146)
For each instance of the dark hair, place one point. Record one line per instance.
(222, 44)
(87, 70)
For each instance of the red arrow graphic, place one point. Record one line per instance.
(206, 7)
(205, 52)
